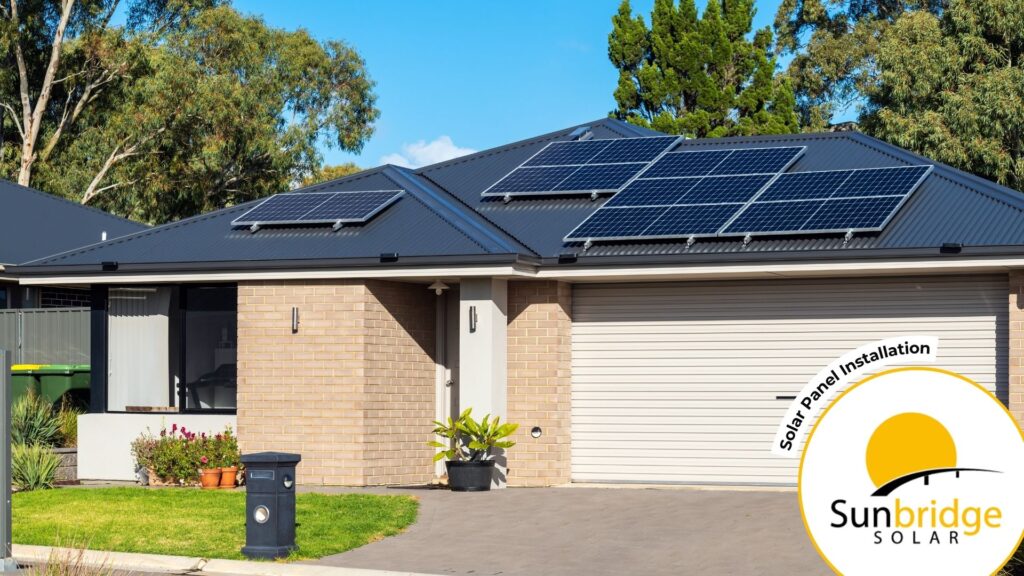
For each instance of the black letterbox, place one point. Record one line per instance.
(269, 504)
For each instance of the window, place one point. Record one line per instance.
(172, 349)
(3, 298)
(209, 341)
(138, 321)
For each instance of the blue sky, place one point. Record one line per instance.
(457, 76)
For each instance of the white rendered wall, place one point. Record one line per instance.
(104, 440)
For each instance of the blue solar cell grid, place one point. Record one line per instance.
(880, 182)
(284, 207)
(805, 185)
(758, 160)
(582, 166)
(854, 213)
(617, 222)
(318, 207)
(350, 206)
(658, 192)
(682, 164)
(599, 177)
(683, 221)
(774, 216)
(722, 189)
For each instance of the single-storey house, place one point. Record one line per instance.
(643, 306)
(34, 224)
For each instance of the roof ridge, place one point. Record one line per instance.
(69, 202)
(489, 239)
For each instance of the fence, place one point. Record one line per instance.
(46, 335)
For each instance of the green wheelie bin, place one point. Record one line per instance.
(24, 377)
(65, 381)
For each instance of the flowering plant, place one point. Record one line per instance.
(177, 454)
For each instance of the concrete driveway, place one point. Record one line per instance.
(594, 531)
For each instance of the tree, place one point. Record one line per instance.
(327, 173)
(952, 88)
(699, 76)
(188, 107)
(833, 43)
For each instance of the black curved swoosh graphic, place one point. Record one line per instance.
(892, 485)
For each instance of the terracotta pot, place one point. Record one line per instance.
(209, 478)
(154, 480)
(227, 476)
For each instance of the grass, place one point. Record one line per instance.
(190, 522)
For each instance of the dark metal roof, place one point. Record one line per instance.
(34, 224)
(443, 218)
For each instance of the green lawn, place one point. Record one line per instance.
(191, 522)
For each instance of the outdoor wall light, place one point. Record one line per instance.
(472, 318)
(536, 432)
(261, 514)
(438, 287)
(295, 319)
(288, 481)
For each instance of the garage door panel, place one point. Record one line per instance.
(663, 370)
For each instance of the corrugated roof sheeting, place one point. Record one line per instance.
(34, 224)
(406, 227)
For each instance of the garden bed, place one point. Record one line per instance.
(191, 522)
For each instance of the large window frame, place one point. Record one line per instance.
(177, 350)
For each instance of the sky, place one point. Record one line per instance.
(456, 76)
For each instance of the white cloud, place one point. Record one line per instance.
(422, 153)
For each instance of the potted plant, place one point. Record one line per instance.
(468, 449)
(229, 458)
(209, 471)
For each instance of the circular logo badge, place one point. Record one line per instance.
(914, 471)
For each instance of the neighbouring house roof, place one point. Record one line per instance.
(443, 218)
(35, 224)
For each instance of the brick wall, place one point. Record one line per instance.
(64, 298)
(327, 391)
(400, 380)
(539, 379)
(1016, 360)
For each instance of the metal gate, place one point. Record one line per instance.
(46, 335)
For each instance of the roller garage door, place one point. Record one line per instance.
(678, 382)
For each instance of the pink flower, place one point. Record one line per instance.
(204, 459)
(174, 428)
(163, 433)
(204, 435)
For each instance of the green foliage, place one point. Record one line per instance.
(469, 440)
(834, 43)
(33, 422)
(199, 523)
(952, 88)
(177, 455)
(188, 107)
(33, 467)
(702, 76)
(327, 173)
(67, 424)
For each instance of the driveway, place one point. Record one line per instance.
(595, 531)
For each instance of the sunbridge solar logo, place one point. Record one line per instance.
(914, 471)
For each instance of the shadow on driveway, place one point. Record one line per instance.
(595, 531)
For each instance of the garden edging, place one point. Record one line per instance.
(25, 554)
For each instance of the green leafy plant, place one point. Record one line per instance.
(227, 449)
(469, 440)
(33, 422)
(33, 467)
(67, 423)
(177, 455)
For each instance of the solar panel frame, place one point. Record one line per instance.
(496, 190)
(246, 220)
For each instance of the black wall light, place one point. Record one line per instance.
(472, 319)
(951, 248)
(109, 266)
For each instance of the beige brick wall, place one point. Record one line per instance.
(539, 380)
(340, 391)
(1016, 359)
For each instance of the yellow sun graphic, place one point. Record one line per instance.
(908, 443)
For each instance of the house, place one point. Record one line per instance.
(647, 345)
(34, 224)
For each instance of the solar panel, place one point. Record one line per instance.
(839, 201)
(682, 164)
(302, 208)
(599, 177)
(758, 160)
(582, 167)
(860, 200)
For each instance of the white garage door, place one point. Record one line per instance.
(678, 382)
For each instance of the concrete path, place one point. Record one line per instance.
(595, 531)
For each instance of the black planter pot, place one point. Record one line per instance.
(470, 476)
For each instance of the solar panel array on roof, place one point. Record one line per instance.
(582, 167)
(304, 208)
(699, 202)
